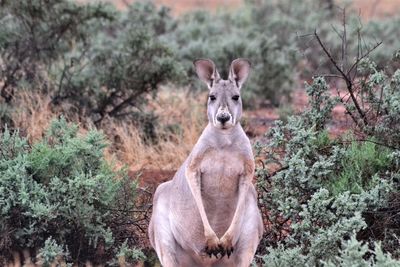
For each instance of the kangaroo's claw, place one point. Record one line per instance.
(229, 252)
(212, 247)
(225, 246)
(215, 253)
(210, 251)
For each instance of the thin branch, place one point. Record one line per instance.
(379, 102)
(364, 56)
(337, 32)
(344, 41)
(272, 174)
(348, 81)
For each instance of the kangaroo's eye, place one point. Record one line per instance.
(212, 97)
(235, 97)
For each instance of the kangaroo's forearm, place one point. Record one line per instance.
(243, 188)
(194, 182)
(242, 192)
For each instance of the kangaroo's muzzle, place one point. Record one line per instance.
(223, 117)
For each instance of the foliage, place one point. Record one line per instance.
(382, 92)
(121, 66)
(293, 23)
(61, 195)
(356, 253)
(129, 254)
(324, 190)
(50, 252)
(352, 253)
(360, 162)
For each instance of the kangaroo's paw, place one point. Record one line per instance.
(212, 245)
(226, 246)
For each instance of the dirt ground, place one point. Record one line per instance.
(367, 8)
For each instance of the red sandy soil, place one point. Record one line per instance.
(152, 178)
(367, 8)
(377, 8)
(181, 6)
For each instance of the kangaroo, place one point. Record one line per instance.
(207, 215)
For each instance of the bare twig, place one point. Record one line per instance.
(359, 58)
(344, 41)
(272, 174)
(349, 82)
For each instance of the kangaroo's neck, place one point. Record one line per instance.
(222, 137)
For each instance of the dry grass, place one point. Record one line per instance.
(181, 118)
(32, 115)
(25, 259)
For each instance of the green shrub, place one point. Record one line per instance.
(121, 67)
(49, 253)
(324, 190)
(356, 253)
(60, 194)
(361, 162)
(127, 254)
(293, 24)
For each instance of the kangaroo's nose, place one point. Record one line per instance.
(224, 117)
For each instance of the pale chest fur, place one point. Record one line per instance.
(220, 174)
(220, 171)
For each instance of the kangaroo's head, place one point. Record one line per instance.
(224, 107)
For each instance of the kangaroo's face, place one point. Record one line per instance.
(224, 107)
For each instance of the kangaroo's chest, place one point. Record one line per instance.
(220, 172)
(220, 175)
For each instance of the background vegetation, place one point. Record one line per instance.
(93, 97)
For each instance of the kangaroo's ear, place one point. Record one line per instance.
(205, 69)
(239, 71)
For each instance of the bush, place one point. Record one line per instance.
(61, 195)
(121, 67)
(356, 253)
(35, 35)
(323, 192)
